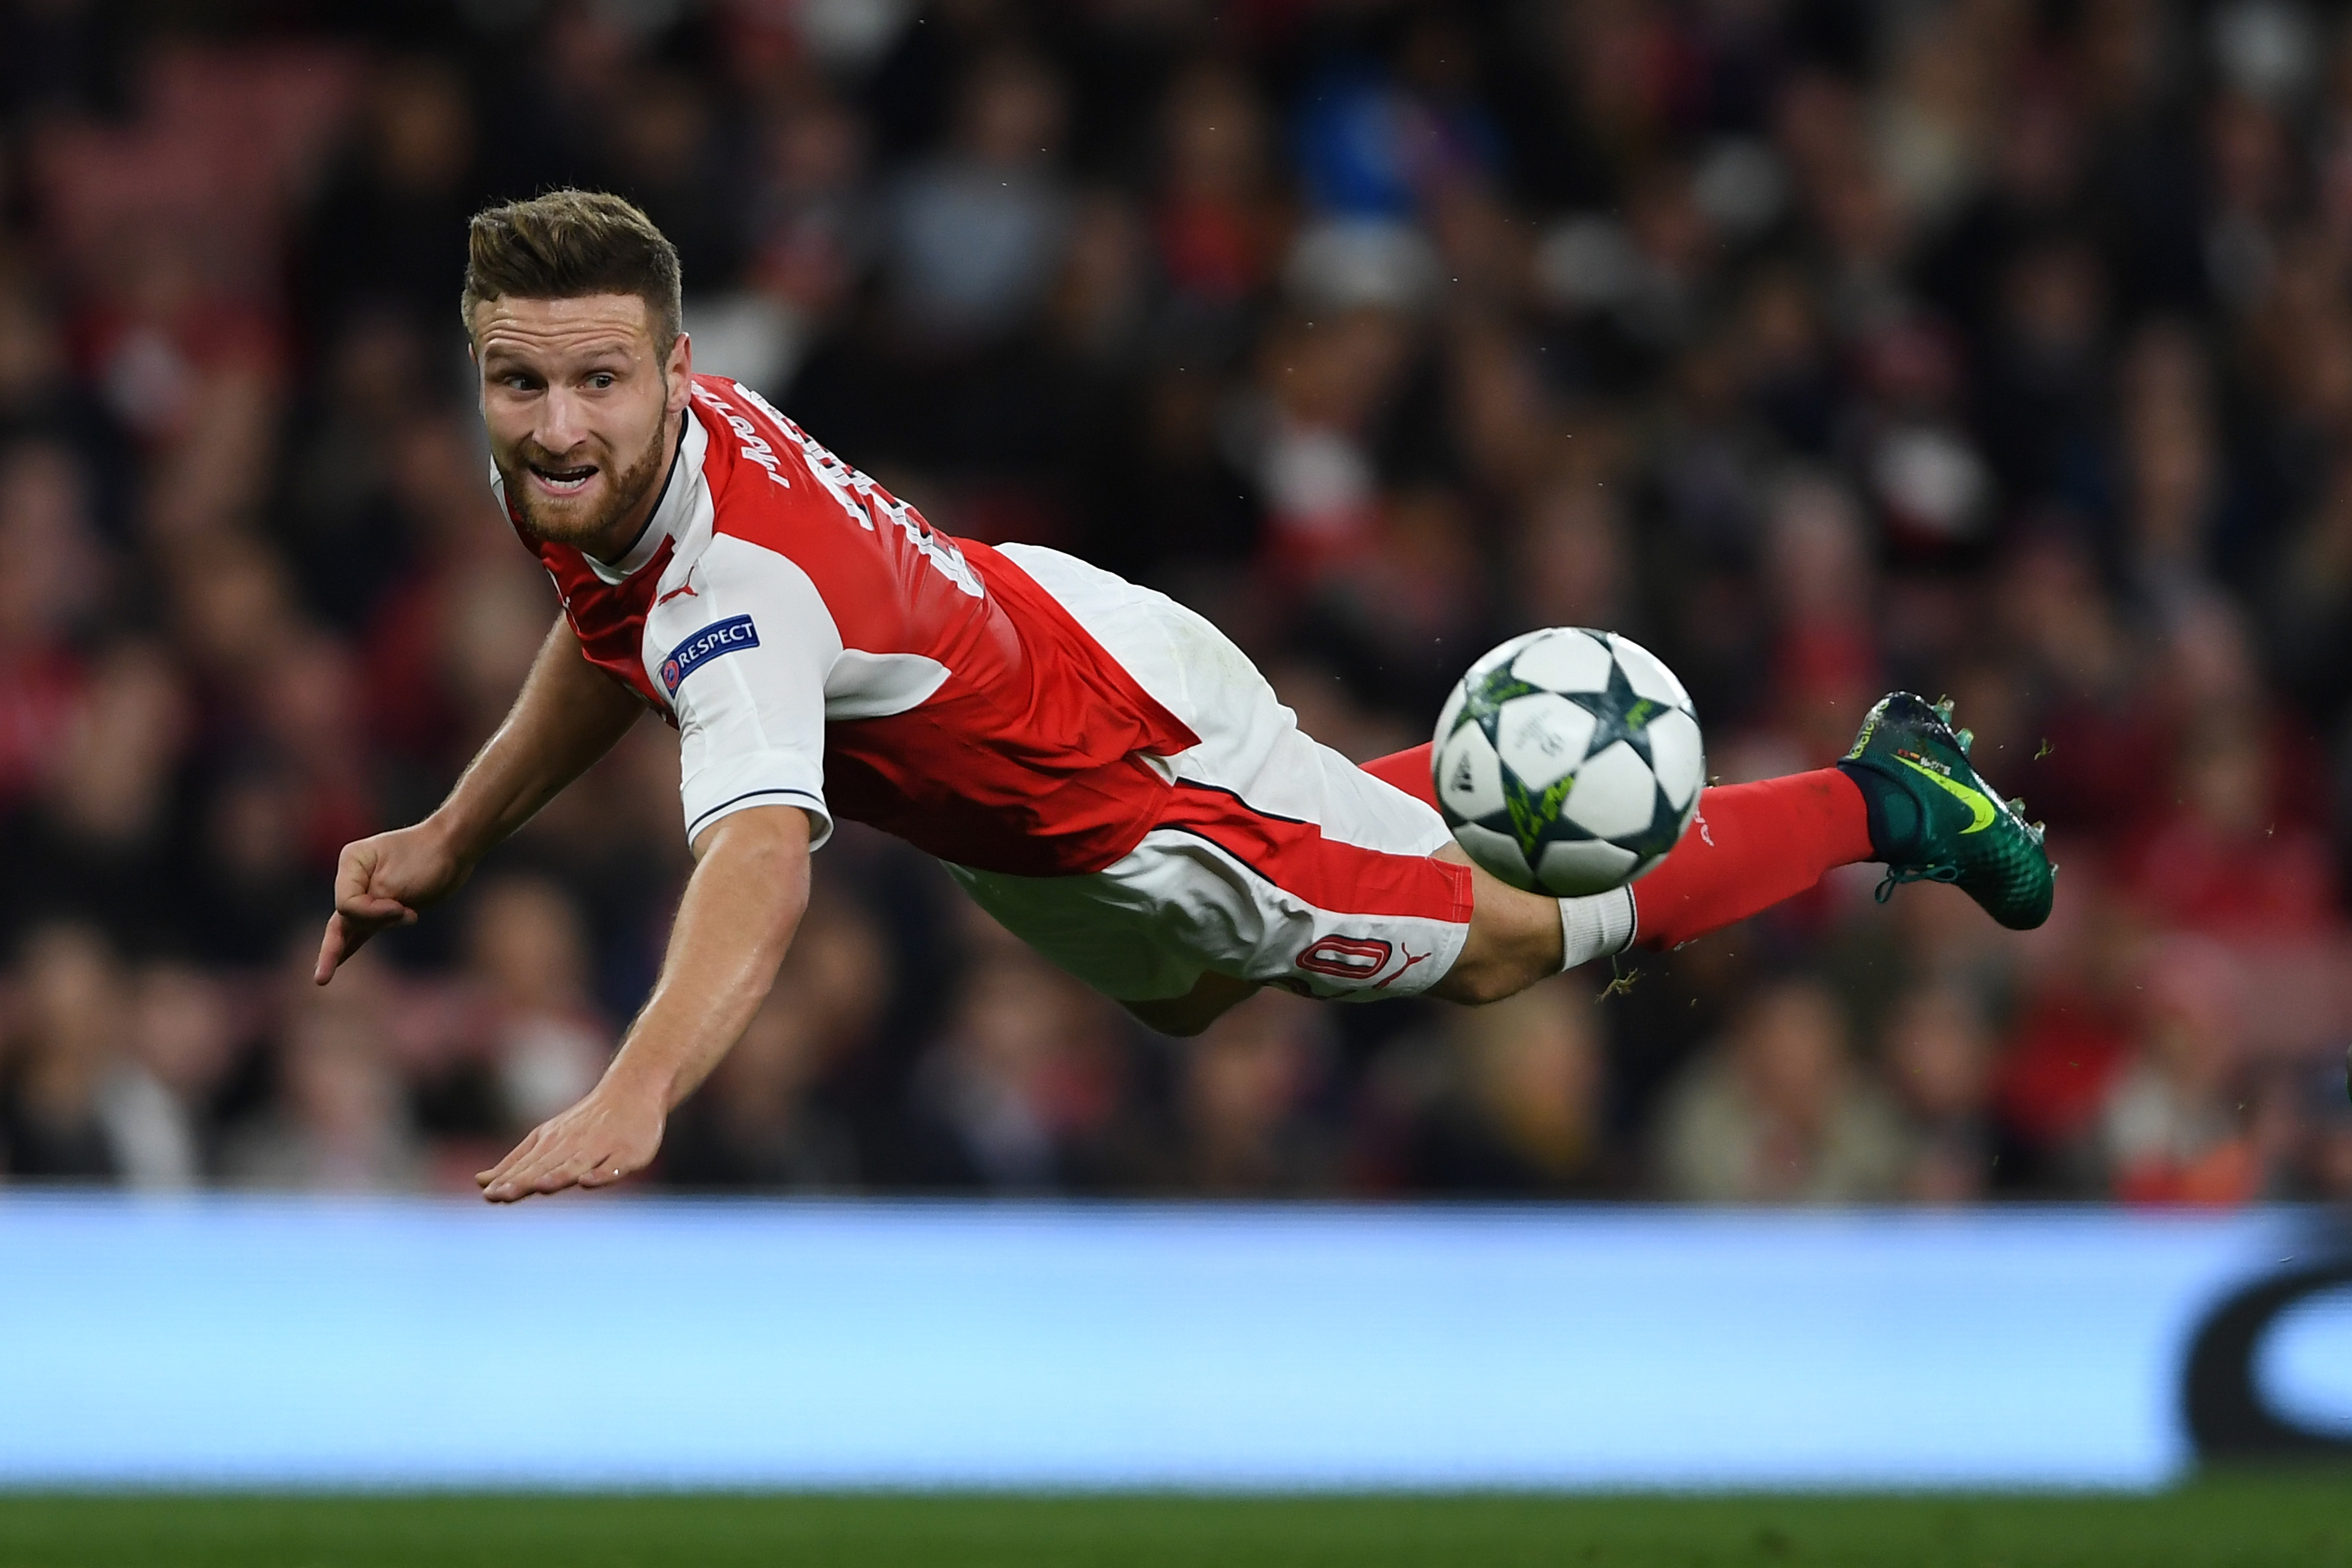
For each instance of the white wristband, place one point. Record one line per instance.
(1595, 927)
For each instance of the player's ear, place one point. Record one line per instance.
(678, 372)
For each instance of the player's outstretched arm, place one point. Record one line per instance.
(742, 907)
(568, 715)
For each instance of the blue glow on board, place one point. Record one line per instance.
(599, 1342)
(2306, 1365)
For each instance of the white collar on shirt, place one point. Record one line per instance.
(673, 511)
(672, 514)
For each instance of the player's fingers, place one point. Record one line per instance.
(604, 1172)
(349, 927)
(515, 1159)
(515, 1184)
(331, 951)
(364, 889)
(547, 1164)
(354, 869)
(533, 1181)
(592, 1160)
(574, 1169)
(520, 1156)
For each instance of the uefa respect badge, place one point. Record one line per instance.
(730, 636)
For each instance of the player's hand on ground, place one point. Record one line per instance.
(606, 1136)
(382, 882)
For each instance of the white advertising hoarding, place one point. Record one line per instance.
(332, 1343)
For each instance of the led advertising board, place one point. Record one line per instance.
(277, 1342)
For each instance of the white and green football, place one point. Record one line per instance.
(1568, 760)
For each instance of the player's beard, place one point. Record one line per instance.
(593, 528)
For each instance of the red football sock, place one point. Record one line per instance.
(1752, 846)
(1409, 771)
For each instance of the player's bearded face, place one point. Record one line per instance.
(610, 492)
(578, 402)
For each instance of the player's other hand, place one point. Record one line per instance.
(384, 881)
(606, 1136)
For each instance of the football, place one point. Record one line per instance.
(1568, 761)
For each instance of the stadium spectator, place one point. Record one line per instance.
(82, 1104)
(338, 1120)
(527, 956)
(776, 1113)
(1939, 1061)
(387, 227)
(755, 1123)
(1521, 1109)
(187, 1029)
(974, 234)
(1246, 1122)
(1778, 1113)
(2171, 1129)
(1023, 1082)
(95, 842)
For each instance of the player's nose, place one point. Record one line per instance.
(561, 421)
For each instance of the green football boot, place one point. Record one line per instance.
(1934, 819)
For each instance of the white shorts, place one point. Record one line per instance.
(1277, 859)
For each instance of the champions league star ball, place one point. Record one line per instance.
(1568, 761)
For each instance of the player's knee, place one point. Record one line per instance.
(1470, 985)
(1483, 983)
(1484, 974)
(1514, 941)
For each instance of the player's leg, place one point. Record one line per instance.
(1273, 861)
(1350, 891)
(1337, 890)
(1281, 864)
(1518, 937)
(1750, 847)
(1907, 795)
(1515, 940)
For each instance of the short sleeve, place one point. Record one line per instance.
(743, 654)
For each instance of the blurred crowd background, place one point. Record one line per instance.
(1993, 348)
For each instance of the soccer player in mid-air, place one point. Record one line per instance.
(1098, 767)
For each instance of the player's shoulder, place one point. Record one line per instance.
(765, 484)
(750, 438)
(776, 494)
(759, 454)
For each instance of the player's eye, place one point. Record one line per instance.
(602, 381)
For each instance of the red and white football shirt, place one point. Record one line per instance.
(818, 644)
